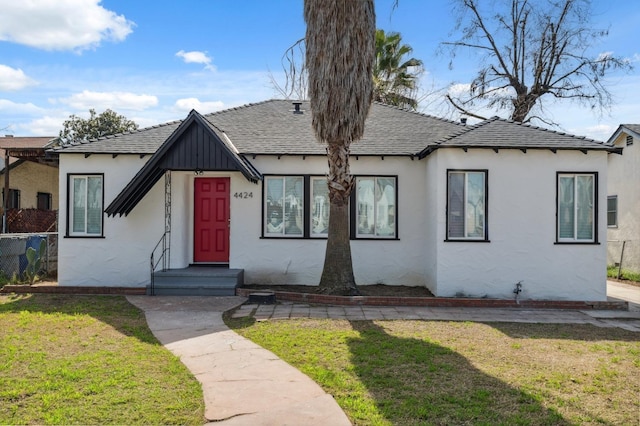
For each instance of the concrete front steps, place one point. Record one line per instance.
(197, 281)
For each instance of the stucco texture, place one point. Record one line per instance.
(521, 221)
(624, 182)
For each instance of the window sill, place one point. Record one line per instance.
(268, 237)
(578, 243)
(84, 236)
(375, 239)
(612, 227)
(264, 237)
(466, 241)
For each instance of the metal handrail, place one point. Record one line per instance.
(164, 258)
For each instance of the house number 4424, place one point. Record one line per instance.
(243, 195)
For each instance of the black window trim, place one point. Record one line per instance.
(612, 197)
(306, 230)
(353, 214)
(595, 209)
(485, 239)
(69, 197)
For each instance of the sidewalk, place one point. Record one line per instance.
(244, 384)
(621, 291)
(628, 320)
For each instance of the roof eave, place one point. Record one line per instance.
(151, 171)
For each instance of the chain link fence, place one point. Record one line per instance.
(13, 253)
(624, 254)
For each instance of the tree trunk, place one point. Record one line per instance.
(337, 274)
(520, 112)
(522, 106)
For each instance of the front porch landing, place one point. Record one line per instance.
(196, 281)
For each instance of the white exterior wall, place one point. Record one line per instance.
(521, 221)
(624, 181)
(121, 258)
(300, 261)
(434, 191)
(522, 229)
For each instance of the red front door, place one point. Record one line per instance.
(211, 222)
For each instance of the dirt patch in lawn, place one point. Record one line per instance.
(365, 290)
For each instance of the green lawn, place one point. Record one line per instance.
(612, 272)
(88, 360)
(92, 360)
(452, 373)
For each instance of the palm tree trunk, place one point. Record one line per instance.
(337, 274)
(340, 52)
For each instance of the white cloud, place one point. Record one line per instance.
(61, 24)
(459, 89)
(14, 79)
(187, 104)
(44, 126)
(600, 132)
(604, 55)
(10, 107)
(196, 57)
(112, 100)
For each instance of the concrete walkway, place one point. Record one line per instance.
(621, 291)
(244, 384)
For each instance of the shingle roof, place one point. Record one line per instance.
(142, 141)
(181, 152)
(272, 128)
(497, 133)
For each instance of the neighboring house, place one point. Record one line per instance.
(31, 179)
(462, 210)
(623, 200)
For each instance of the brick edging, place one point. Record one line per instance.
(440, 302)
(54, 289)
(324, 299)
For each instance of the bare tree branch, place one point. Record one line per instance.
(536, 48)
(295, 73)
(463, 110)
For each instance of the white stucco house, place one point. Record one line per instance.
(463, 210)
(623, 200)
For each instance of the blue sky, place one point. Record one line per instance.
(154, 61)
